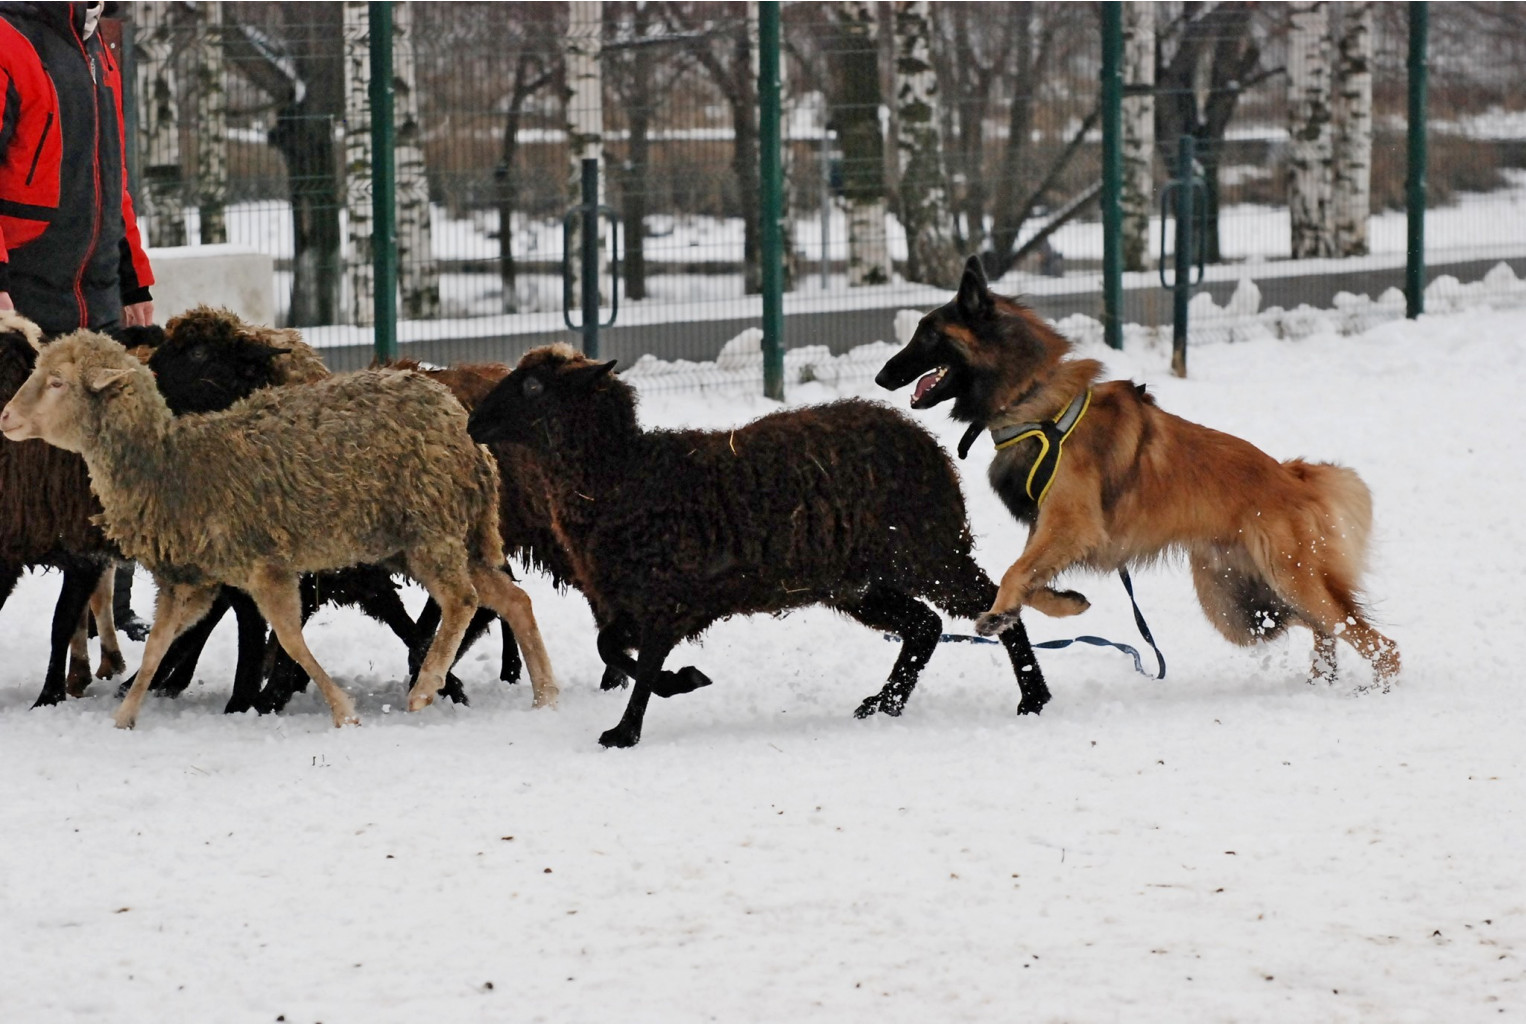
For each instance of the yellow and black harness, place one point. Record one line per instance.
(1051, 436)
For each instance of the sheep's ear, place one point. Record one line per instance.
(974, 298)
(588, 376)
(99, 380)
(259, 348)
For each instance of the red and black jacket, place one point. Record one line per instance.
(70, 254)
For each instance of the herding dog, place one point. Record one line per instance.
(1271, 544)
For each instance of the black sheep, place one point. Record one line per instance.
(849, 505)
(45, 515)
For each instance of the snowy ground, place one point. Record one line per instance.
(1228, 844)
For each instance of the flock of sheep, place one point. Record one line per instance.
(224, 458)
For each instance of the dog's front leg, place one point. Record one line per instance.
(1059, 540)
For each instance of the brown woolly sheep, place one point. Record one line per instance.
(368, 467)
(850, 505)
(207, 360)
(45, 520)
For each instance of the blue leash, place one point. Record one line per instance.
(1095, 641)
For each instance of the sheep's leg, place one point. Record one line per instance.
(80, 579)
(613, 642)
(496, 590)
(654, 651)
(277, 596)
(917, 625)
(424, 631)
(102, 610)
(122, 613)
(178, 669)
(175, 609)
(451, 589)
(78, 676)
(510, 663)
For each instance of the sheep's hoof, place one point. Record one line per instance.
(134, 626)
(125, 720)
(112, 664)
(992, 623)
(546, 699)
(1031, 706)
(419, 701)
(621, 735)
(340, 721)
(454, 691)
(881, 704)
(614, 679)
(76, 679)
(685, 680)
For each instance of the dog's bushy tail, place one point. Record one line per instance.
(1346, 507)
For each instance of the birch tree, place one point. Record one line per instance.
(359, 268)
(1138, 199)
(525, 25)
(1352, 164)
(583, 102)
(418, 275)
(1311, 149)
(212, 122)
(931, 256)
(162, 189)
(856, 117)
(724, 46)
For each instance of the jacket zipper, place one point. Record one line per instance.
(47, 126)
(95, 170)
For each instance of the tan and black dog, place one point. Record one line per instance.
(1105, 479)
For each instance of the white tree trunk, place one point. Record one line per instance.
(162, 192)
(931, 256)
(418, 273)
(1353, 128)
(1311, 148)
(584, 106)
(863, 149)
(1138, 199)
(359, 269)
(212, 122)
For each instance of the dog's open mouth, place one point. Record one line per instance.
(927, 383)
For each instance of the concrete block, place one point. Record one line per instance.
(215, 275)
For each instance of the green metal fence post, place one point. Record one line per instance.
(383, 181)
(1112, 173)
(1414, 182)
(771, 175)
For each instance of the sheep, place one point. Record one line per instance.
(208, 360)
(364, 467)
(524, 516)
(45, 521)
(850, 505)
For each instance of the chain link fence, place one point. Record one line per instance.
(913, 134)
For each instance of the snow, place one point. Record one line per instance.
(1227, 844)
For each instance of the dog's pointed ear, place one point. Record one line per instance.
(100, 379)
(974, 298)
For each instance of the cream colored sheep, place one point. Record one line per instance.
(367, 467)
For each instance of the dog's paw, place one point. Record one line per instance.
(1059, 603)
(992, 623)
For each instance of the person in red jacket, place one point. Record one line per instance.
(70, 255)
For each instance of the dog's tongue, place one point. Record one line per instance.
(925, 384)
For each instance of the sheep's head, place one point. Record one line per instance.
(65, 399)
(551, 387)
(211, 359)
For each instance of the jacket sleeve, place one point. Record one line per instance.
(7, 130)
(136, 274)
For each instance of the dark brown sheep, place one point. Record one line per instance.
(45, 517)
(849, 505)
